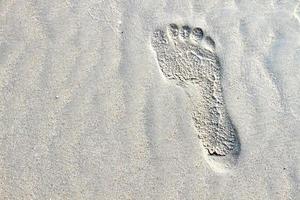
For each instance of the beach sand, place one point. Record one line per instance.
(98, 100)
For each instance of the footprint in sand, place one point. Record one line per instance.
(187, 57)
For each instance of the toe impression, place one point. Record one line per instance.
(197, 34)
(185, 32)
(173, 31)
(159, 37)
(210, 42)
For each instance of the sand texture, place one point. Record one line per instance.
(186, 99)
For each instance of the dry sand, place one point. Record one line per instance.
(89, 110)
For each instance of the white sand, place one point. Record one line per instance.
(85, 112)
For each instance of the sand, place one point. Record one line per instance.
(91, 106)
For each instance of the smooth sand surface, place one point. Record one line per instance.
(87, 113)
